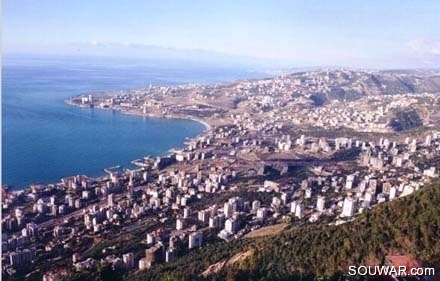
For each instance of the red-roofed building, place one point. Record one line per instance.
(409, 263)
(406, 261)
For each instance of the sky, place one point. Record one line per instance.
(298, 33)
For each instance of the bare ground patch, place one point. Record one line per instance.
(267, 230)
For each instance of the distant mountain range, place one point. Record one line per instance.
(159, 53)
(190, 56)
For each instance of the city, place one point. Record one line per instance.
(305, 148)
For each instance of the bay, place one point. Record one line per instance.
(44, 139)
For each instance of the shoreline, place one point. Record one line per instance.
(208, 127)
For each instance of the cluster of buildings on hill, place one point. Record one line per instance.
(385, 170)
(347, 99)
(248, 171)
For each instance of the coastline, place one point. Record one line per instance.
(207, 126)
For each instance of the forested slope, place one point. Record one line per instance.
(408, 225)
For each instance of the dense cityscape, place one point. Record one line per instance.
(301, 149)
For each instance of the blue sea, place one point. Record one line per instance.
(44, 139)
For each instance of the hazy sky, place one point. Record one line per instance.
(382, 33)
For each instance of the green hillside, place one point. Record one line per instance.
(409, 225)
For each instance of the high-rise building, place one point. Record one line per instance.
(150, 238)
(308, 193)
(231, 225)
(180, 224)
(186, 212)
(372, 185)
(21, 257)
(261, 213)
(320, 203)
(284, 198)
(110, 199)
(228, 210)
(213, 222)
(299, 211)
(348, 207)
(293, 207)
(195, 240)
(170, 255)
(349, 182)
(393, 191)
(128, 260)
(203, 216)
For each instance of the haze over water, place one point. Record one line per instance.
(44, 139)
